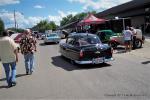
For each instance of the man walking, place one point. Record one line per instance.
(28, 47)
(9, 57)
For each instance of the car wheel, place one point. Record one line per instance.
(113, 44)
(72, 62)
(45, 43)
(138, 43)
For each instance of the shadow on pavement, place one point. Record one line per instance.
(64, 63)
(119, 50)
(146, 62)
(3, 79)
(43, 44)
(19, 75)
(4, 86)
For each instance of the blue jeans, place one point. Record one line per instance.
(12, 77)
(29, 62)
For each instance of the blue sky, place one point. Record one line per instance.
(30, 12)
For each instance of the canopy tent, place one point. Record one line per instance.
(91, 19)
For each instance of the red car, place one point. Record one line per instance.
(116, 40)
(16, 37)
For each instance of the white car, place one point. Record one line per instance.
(52, 37)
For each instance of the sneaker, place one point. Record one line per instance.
(31, 72)
(13, 83)
(9, 85)
(27, 72)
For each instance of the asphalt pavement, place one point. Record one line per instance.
(125, 78)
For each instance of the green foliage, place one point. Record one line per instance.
(44, 25)
(1, 26)
(70, 18)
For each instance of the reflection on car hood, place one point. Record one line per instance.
(95, 47)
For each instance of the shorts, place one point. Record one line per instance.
(128, 42)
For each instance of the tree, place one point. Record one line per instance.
(70, 18)
(45, 25)
(1, 26)
(66, 20)
(53, 25)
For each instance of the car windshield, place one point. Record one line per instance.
(51, 35)
(109, 33)
(89, 40)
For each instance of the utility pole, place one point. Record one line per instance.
(15, 20)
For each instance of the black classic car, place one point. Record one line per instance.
(85, 48)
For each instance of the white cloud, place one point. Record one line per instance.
(81, 1)
(26, 22)
(99, 4)
(39, 6)
(61, 14)
(64, 14)
(22, 21)
(56, 19)
(6, 2)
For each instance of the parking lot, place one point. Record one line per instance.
(127, 77)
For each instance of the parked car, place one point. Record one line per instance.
(52, 37)
(61, 35)
(85, 48)
(105, 35)
(119, 40)
(43, 36)
(17, 37)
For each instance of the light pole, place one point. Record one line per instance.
(15, 19)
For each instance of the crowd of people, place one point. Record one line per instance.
(9, 54)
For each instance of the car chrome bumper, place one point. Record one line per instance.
(91, 62)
